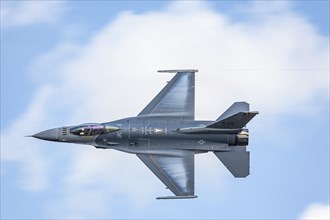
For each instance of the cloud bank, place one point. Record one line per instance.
(278, 62)
(24, 13)
(316, 211)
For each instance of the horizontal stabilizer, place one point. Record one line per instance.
(237, 162)
(238, 120)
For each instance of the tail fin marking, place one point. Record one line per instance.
(238, 120)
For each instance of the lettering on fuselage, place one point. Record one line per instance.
(119, 135)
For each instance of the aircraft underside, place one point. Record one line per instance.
(166, 137)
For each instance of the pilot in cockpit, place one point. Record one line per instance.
(91, 129)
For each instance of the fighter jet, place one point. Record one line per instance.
(166, 137)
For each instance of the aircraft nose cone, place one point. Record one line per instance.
(48, 135)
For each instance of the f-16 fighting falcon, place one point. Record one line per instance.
(166, 137)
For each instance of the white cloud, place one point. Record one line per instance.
(316, 211)
(23, 13)
(16, 147)
(272, 64)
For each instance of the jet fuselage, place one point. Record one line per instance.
(165, 135)
(133, 135)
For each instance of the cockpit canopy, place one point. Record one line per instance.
(92, 129)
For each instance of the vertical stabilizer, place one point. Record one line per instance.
(235, 108)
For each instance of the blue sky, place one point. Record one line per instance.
(69, 62)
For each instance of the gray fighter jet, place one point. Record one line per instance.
(166, 137)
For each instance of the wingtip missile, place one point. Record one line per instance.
(179, 71)
(178, 197)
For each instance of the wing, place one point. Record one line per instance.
(176, 99)
(175, 171)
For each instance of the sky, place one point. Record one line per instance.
(71, 62)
